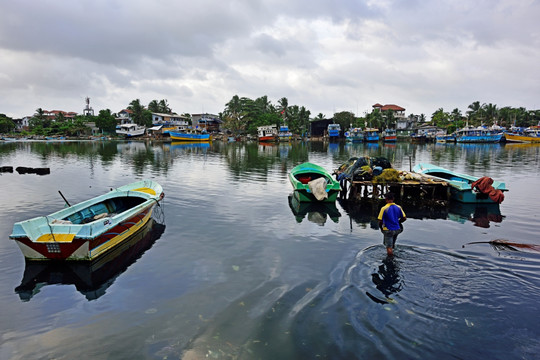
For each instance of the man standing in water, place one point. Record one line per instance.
(390, 218)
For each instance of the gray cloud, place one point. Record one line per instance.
(327, 56)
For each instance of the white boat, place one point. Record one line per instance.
(130, 130)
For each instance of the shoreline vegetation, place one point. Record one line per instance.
(242, 116)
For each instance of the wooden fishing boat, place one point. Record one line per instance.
(355, 135)
(284, 133)
(91, 228)
(529, 135)
(461, 185)
(190, 135)
(334, 131)
(389, 135)
(479, 135)
(371, 135)
(267, 133)
(312, 182)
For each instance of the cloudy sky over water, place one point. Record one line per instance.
(328, 56)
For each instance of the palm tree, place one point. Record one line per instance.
(138, 112)
(153, 106)
(283, 107)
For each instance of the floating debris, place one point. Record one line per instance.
(502, 244)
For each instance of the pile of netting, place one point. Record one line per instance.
(363, 169)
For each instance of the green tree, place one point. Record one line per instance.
(105, 121)
(440, 118)
(153, 106)
(6, 124)
(141, 116)
(344, 119)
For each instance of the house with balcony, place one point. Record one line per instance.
(124, 117)
(405, 126)
(210, 122)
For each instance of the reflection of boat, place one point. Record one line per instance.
(480, 214)
(190, 135)
(130, 130)
(460, 184)
(189, 144)
(317, 212)
(312, 182)
(91, 228)
(91, 278)
(478, 135)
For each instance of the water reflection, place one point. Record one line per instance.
(386, 279)
(482, 215)
(316, 212)
(90, 278)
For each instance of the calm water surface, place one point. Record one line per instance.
(232, 270)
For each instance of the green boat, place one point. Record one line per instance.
(312, 183)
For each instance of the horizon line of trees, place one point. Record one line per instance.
(243, 115)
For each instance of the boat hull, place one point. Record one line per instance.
(177, 136)
(303, 173)
(489, 139)
(522, 138)
(89, 229)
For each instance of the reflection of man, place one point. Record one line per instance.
(390, 218)
(387, 278)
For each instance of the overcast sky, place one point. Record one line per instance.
(328, 56)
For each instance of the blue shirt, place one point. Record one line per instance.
(390, 215)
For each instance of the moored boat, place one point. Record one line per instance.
(466, 188)
(355, 135)
(130, 130)
(284, 133)
(478, 135)
(371, 135)
(91, 228)
(312, 182)
(190, 135)
(529, 135)
(267, 133)
(334, 131)
(389, 135)
(445, 138)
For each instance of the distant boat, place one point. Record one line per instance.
(418, 138)
(529, 135)
(284, 133)
(445, 138)
(91, 228)
(371, 135)
(355, 135)
(389, 135)
(461, 185)
(334, 131)
(130, 130)
(267, 133)
(478, 135)
(190, 135)
(312, 182)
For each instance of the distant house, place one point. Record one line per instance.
(124, 117)
(169, 120)
(404, 126)
(54, 113)
(210, 122)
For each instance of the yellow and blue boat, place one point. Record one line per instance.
(91, 228)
